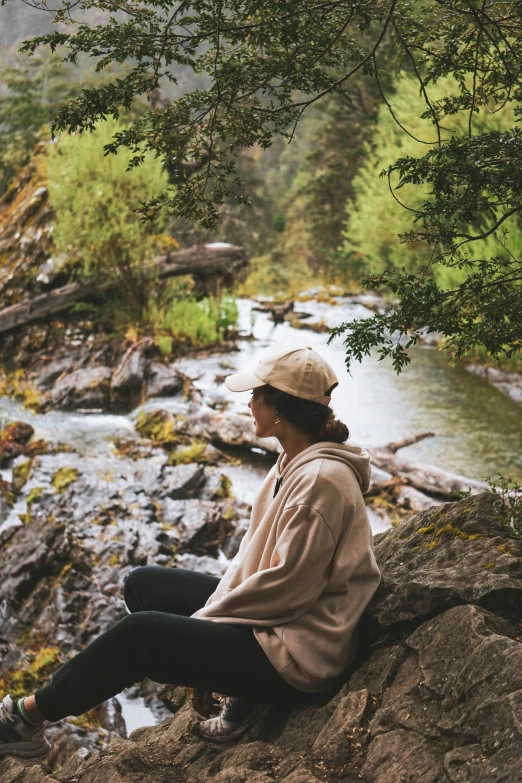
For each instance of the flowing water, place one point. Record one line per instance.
(478, 430)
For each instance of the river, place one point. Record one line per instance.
(477, 429)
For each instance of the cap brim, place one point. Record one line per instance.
(243, 381)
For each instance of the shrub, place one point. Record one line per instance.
(94, 197)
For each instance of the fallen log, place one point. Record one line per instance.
(278, 312)
(217, 263)
(433, 481)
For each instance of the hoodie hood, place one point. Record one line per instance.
(357, 458)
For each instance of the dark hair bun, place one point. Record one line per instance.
(333, 429)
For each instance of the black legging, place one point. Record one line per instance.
(160, 640)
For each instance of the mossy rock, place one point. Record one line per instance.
(159, 426)
(33, 672)
(63, 478)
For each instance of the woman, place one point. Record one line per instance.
(279, 626)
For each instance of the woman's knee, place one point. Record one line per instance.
(133, 588)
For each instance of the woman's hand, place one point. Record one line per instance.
(204, 703)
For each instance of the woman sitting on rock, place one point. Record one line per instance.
(279, 626)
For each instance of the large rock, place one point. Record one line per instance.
(451, 554)
(226, 428)
(163, 381)
(87, 388)
(199, 523)
(437, 698)
(52, 371)
(127, 380)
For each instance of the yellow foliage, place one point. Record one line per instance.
(63, 478)
(194, 453)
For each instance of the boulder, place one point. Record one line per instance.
(13, 441)
(199, 523)
(182, 481)
(226, 428)
(451, 554)
(162, 381)
(52, 371)
(127, 379)
(87, 388)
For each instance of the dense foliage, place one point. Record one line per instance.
(94, 197)
(266, 62)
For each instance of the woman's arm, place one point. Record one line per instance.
(296, 577)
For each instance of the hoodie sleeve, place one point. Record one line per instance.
(296, 577)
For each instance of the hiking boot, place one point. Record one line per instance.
(16, 737)
(237, 716)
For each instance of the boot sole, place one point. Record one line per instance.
(14, 749)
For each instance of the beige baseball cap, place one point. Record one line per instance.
(298, 371)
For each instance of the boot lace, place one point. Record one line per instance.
(5, 713)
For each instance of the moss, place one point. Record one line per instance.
(36, 669)
(31, 399)
(21, 474)
(455, 532)
(25, 518)
(193, 453)
(224, 489)
(428, 529)
(6, 491)
(34, 495)
(490, 564)
(431, 545)
(15, 385)
(159, 426)
(63, 478)
(114, 560)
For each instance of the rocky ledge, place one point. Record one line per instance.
(436, 696)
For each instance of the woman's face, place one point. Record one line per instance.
(263, 414)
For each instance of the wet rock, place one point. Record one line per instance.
(226, 428)
(163, 381)
(52, 371)
(87, 388)
(182, 481)
(13, 441)
(127, 379)
(199, 523)
(451, 554)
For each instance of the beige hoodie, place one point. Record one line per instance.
(305, 569)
